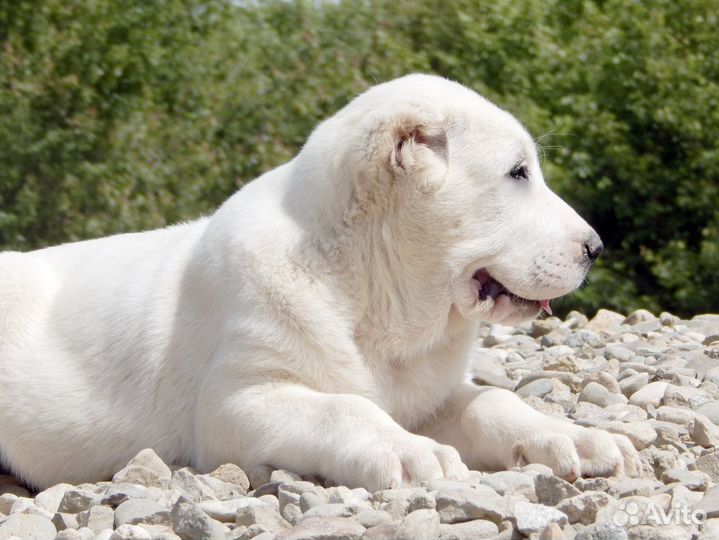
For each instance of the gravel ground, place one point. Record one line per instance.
(652, 379)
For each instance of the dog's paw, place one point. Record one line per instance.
(406, 460)
(580, 451)
(554, 450)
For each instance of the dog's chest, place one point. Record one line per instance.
(411, 392)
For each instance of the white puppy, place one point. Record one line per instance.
(320, 321)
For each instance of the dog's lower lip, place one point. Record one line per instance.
(489, 287)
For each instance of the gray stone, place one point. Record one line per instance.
(324, 529)
(131, 532)
(191, 523)
(280, 475)
(600, 396)
(709, 504)
(676, 415)
(292, 513)
(639, 316)
(419, 525)
(383, 531)
(538, 388)
(220, 489)
(97, 518)
(633, 384)
(116, 494)
(541, 327)
(465, 504)
(709, 464)
(7, 501)
(226, 511)
(703, 432)
(371, 518)
(505, 482)
(606, 322)
(232, 474)
(468, 530)
(552, 489)
(583, 508)
(190, 486)
(51, 498)
(685, 396)
(146, 469)
(602, 531)
(77, 499)
(641, 434)
(534, 518)
(264, 515)
(82, 533)
(580, 338)
(310, 500)
(65, 521)
(136, 511)
(627, 487)
(652, 394)
(622, 354)
(27, 527)
(710, 410)
(331, 510)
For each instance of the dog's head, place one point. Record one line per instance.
(460, 191)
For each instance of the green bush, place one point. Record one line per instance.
(119, 116)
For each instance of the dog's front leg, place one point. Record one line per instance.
(494, 429)
(343, 437)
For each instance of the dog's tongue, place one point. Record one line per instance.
(544, 304)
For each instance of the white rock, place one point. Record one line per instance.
(583, 508)
(76, 534)
(146, 469)
(703, 432)
(600, 396)
(642, 434)
(469, 530)
(324, 529)
(27, 527)
(226, 511)
(137, 511)
(419, 525)
(534, 518)
(464, 504)
(97, 518)
(280, 475)
(652, 394)
(551, 489)
(77, 499)
(118, 493)
(50, 498)
(232, 474)
(264, 515)
(191, 523)
(131, 532)
(190, 486)
(65, 521)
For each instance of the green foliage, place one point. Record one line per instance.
(119, 116)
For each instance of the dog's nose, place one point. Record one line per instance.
(593, 247)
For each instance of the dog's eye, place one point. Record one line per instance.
(519, 172)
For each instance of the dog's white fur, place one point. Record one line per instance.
(320, 321)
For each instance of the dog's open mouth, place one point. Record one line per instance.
(488, 287)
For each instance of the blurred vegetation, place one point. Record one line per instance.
(124, 115)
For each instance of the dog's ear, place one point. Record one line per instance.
(420, 154)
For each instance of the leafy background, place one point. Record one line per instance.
(125, 115)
